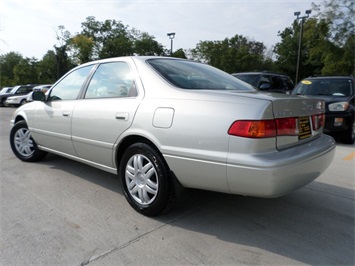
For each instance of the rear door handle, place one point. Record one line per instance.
(66, 113)
(121, 116)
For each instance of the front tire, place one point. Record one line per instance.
(146, 180)
(23, 145)
(2, 102)
(348, 137)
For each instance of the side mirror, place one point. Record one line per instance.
(264, 86)
(38, 96)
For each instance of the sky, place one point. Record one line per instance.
(29, 26)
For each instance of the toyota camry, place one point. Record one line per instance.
(164, 123)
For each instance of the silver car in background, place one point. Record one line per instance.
(162, 123)
(17, 100)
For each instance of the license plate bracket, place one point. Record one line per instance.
(304, 127)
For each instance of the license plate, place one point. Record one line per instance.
(304, 127)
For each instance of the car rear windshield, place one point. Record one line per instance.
(333, 87)
(196, 76)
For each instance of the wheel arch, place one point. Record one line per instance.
(179, 189)
(128, 141)
(19, 118)
(178, 193)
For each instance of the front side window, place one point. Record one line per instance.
(287, 82)
(251, 79)
(114, 79)
(276, 82)
(69, 87)
(22, 90)
(265, 80)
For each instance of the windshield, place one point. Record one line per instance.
(196, 76)
(5, 90)
(14, 89)
(331, 87)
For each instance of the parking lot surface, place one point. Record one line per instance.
(61, 212)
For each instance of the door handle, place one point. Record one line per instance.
(66, 113)
(121, 116)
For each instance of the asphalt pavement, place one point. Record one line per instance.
(61, 212)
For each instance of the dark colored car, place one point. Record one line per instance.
(267, 81)
(338, 93)
(17, 90)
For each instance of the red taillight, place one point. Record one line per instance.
(318, 121)
(253, 129)
(272, 128)
(264, 128)
(287, 126)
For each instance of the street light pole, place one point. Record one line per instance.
(297, 14)
(171, 37)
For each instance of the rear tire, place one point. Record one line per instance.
(23, 145)
(146, 180)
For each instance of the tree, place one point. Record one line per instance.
(63, 61)
(231, 55)
(115, 40)
(7, 64)
(47, 68)
(340, 16)
(82, 47)
(180, 53)
(25, 72)
(111, 38)
(145, 44)
(319, 54)
(314, 46)
(340, 60)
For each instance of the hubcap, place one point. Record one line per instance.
(141, 179)
(23, 142)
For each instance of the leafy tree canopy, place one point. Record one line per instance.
(231, 55)
(110, 38)
(340, 15)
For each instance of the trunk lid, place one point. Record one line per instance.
(308, 114)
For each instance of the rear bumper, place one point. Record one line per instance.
(274, 174)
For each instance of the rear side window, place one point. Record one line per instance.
(110, 80)
(69, 87)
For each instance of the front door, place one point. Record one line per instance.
(52, 126)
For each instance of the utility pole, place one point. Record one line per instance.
(297, 14)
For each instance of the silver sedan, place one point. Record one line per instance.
(166, 123)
